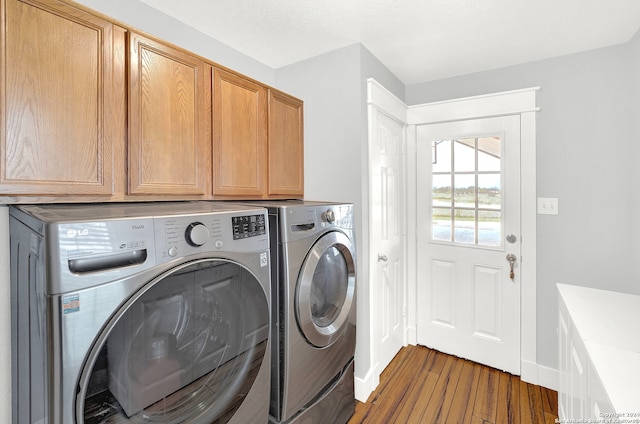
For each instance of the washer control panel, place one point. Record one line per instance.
(246, 226)
(89, 244)
(196, 234)
(178, 236)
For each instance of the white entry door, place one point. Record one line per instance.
(468, 213)
(387, 259)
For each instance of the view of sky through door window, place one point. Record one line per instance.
(467, 191)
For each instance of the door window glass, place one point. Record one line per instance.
(186, 348)
(467, 191)
(329, 287)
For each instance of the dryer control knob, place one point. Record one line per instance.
(196, 234)
(329, 216)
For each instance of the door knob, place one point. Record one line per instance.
(382, 258)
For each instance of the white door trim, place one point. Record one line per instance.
(386, 101)
(505, 103)
(522, 102)
(484, 106)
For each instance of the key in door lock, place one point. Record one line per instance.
(512, 261)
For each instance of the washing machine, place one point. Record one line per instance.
(140, 313)
(314, 311)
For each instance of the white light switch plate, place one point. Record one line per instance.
(548, 205)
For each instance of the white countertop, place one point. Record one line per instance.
(609, 324)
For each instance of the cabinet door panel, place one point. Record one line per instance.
(57, 92)
(169, 147)
(286, 149)
(240, 136)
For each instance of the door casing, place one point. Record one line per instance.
(522, 102)
(516, 102)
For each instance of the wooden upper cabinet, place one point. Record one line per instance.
(239, 136)
(169, 120)
(58, 102)
(90, 109)
(286, 146)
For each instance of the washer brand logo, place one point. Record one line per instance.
(72, 232)
(137, 227)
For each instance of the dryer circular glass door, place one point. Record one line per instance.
(326, 289)
(186, 347)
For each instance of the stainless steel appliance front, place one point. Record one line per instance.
(314, 311)
(140, 313)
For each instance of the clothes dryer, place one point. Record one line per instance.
(141, 313)
(314, 321)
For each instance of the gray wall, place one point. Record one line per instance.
(333, 87)
(634, 49)
(586, 156)
(140, 16)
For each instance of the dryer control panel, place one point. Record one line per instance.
(301, 221)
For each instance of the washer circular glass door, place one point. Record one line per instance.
(325, 289)
(184, 348)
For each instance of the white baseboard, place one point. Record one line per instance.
(529, 372)
(548, 377)
(411, 336)
(540, 375)
(363, 387)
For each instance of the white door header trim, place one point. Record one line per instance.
(494, 104)
(381, 98)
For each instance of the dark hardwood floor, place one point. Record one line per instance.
(422, 385)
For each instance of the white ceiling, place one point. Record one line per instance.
(418, 40)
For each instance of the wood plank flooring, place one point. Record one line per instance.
(422, 385)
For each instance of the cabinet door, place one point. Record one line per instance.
(598, 402)
(564, 364)
(286, 147)
(578, 371)
(239, 136)
(169, 120)
(58, 100)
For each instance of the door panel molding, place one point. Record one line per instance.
(442, 293)
(487, 292)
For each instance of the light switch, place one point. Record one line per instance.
(548, 205)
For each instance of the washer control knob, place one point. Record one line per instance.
(218, 244)
(196, 234)
(329, 216)
(173, 251)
